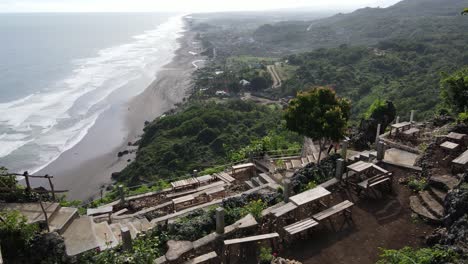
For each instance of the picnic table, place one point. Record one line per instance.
(204, 179)
(412, 132)
(462, 159)
(289, 207)
(309, 196)
(400, 126)
(449, 145)
(244, 166)
(455, 136)
(184, 183)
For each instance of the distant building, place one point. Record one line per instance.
(244, 83)
(221, 93)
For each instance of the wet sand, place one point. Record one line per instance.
(88, 165)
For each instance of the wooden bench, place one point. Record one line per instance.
(225, 177)
(374, 181)
(343, 208)
(300, 226)
(206, 258)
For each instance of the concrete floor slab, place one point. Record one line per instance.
(400, 156)
(80, 236)
(32, 211)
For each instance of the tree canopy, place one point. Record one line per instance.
(319, 114)
(455, 90)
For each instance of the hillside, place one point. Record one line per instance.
(409, 19)
(203, 135)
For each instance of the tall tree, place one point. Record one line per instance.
(455, 90)
(319, 114)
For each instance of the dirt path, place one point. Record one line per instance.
(276, 79)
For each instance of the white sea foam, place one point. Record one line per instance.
(54, 121)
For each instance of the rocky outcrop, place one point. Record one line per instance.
(454, 234)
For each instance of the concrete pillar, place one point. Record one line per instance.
(397, 120)
(340, 163)
(121, 194)
(286, 189)
(195, 173)
(412, 116)
(344, 149)
(126, 238)
(380, 151)
(220, 220)
(377, 134)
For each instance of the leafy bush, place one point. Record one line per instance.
(408, 255)
(254, 208)
(145, 249)
(15, 233)
(265, 256)
(417, 184)
(314, 173)
(463, 117)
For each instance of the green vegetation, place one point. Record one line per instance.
(204, 135)
(416, 184)
(454, 89)
(404, 71)
(320, 115)
(408, 255)
(265, 256)
(255, 208)
(145, 249)
(16, 234)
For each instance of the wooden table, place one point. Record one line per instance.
(456, 136)
(289, 207)
(403, 126)
(449, 145)
(309, 196)
(184, 183)
(462, 159)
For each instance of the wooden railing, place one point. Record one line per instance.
(27, 177)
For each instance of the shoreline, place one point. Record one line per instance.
(88, 166)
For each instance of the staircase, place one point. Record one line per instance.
(429, 204)
(80, 233)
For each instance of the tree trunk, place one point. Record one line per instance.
(321, 144)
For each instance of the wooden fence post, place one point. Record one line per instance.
(51, 186)
(45, 214)
(26, 177)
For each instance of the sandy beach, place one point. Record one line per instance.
(88, 165)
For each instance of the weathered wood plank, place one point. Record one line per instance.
(250, 239)
(309, 196)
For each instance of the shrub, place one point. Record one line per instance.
(463, 117)
(15, 233)
(254, 208)
(265, 256)
(417, 184)
(408, 255)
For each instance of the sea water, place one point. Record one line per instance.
(58, 71)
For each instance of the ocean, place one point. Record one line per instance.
(60, 72)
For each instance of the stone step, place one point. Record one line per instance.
(439, 195)
(305, 161)
(431, 204)
(105, 236)
(62, 219)
(33, 211)
(250, 184)
(288, 165)
(446, 182)
(310, 158)
(142, 225)
(421, 210)
(256, 181)
(265, 178)
(133, 230)
(80, 236)
(115, 227)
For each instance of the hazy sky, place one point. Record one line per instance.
(178, 5)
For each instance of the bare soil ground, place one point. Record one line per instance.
(384, 222)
